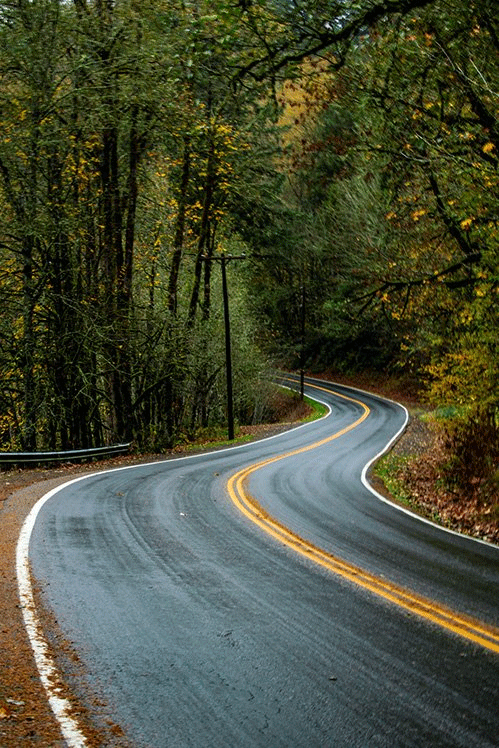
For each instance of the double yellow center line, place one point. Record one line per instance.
(473, 630)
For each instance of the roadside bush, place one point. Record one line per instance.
(472, 442)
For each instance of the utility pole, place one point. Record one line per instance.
(228, 354)
(223, 260)
(302, 344)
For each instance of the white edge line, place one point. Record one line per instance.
(385, 449)
(49, 676)
(47, 670)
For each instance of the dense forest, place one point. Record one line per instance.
(341, 158)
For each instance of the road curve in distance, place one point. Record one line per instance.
(342, 516)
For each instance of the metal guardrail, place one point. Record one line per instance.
(25, 458)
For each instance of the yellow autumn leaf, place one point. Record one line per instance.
(416, 215)
(488, 147)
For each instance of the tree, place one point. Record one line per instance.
(426, 155)
(29, 71)
(134, 140)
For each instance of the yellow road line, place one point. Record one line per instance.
(475, 631)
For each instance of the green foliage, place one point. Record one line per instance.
(389, 469)
(102, 116)
(472, 442)
(350, 155)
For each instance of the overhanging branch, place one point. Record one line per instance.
(408, 285)
(296, 46)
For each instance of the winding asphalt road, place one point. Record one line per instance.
(196, 626)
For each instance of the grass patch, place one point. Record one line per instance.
(216, 439)
(292, 410)
(318, 410)
(449, 412)
(389, 469)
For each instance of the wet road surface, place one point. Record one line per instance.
(196, 628)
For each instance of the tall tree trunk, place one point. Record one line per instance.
(204, 231)
(125, 417)
(28, 436)
(180, 228)
(112, 254)
(28, 215)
